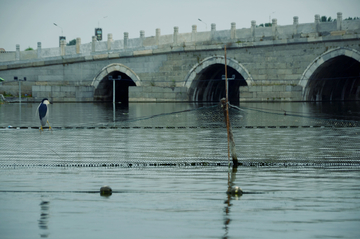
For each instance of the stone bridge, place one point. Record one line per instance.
(318, 61)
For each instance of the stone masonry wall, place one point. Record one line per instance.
(268, 64)
(274, 57)
(63, 93)
(271, 93)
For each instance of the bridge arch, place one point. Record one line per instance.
(204, 80)
(104, 87)
(334, 75)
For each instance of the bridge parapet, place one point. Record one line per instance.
(194, 40)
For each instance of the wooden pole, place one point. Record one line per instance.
(231, 143)
(227, 107)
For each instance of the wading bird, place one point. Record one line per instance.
(44, 113)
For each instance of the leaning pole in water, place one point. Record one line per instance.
(225, 107)
(231, 143)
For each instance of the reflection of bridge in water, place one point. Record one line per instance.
(317, 61)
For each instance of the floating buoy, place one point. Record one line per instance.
(105, 191)
(235, 191)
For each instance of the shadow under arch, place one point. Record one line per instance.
(104, 87)
(333, 76)
(204, 81)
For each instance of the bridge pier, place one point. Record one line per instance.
(157, 94)
(270, 93)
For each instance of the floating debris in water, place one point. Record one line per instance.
(235, 191)
(105, 191)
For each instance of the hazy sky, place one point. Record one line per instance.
(27, 22)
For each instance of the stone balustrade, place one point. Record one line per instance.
(246, 36)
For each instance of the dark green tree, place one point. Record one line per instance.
(72, 42)
(350, 18)
(326, 19)
(265, 25)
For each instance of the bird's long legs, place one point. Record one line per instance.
(49, 125)
(41, 128)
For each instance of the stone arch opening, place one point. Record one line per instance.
(104, 91)
(205, 83)
(333, 76)
(104, 87)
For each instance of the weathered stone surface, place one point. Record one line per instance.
(271, 62)
(63, 93)
(100, 57)
(48, 78)
(114, 55)
(143, 53)
(255, 88)
(247, 95)
(338, 33)
(293, 88)
(266, 88)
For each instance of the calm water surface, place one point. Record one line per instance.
(40, 199)
(171, 114)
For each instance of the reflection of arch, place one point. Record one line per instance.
(212, 60)
(115, 67)
(322, 63)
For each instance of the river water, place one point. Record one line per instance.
(167, 166)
